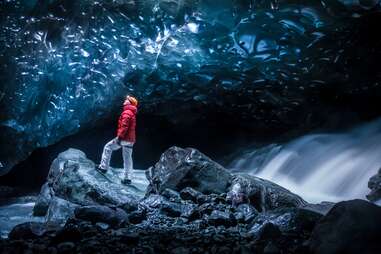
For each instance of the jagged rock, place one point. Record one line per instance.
(179, 168)
(246, 212)
(73, 180)
(262, 194)
(171, 195)
(60, 210)
(375, 185)
(111, 216)
(137, 217)
(42, 204)
(289, 220)
(268, 231)
(189, 193)
(157, 203)
(350, 227)
(219, 218)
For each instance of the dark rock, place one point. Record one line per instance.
(43, 200)
(69, 232)
(262, 194)
(171, 195)
(137, 217)
(111, 216)
(219, 218)
(375, 185)
(179, 168)
(288, 220)
(130, 207)
(191, 194)
(60, 210)
(349, 227)
(66, 247)
(271, 248)
(268, 231)
(247, 211)
(73, 180)
(28, 230)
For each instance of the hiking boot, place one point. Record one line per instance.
(126, 181)
(102, 170)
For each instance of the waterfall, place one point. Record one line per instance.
(320, 167)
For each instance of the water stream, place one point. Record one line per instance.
(320, 167)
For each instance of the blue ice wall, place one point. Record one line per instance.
(66, 65)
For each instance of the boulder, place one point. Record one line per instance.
(297, 221)
(350, 227)
(179, 168)
(60, 210)
(220, 218)
(262, 194)
(104, 214)
(42, 204)
(191, 194)
(73, 180)
(374, 185)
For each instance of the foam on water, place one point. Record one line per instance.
(321, 167)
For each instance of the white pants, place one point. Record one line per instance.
(127, 155)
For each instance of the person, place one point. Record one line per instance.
(125, 139)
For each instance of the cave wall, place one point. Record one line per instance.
(261, 68)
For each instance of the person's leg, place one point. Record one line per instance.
(107, 152)
(127, 161)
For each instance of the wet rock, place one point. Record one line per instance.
(191, 194)
(69, 232)
(60, 210)
(130, 206)
(288, 220)
(247, 213)
(179, 168)
(219, 218)
(111, 216)
(137, 217)
(66, 247)
(171, 195)
(264, 195)
(349, 227)
(73, 181)
(28, 230)
(374, 185)
(43, 200)
(268, 231)
(271, 248)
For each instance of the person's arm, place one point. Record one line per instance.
(125, 124)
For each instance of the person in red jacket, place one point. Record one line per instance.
(125, 139)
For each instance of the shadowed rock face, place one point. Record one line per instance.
(73, 181)
(265, 65)
(349, 227)
(374, 185)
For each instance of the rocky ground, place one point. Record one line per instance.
(186, 203)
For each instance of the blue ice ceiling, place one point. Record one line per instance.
(65, 65)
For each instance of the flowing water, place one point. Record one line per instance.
(320, 167)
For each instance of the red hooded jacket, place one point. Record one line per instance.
(127, 124)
